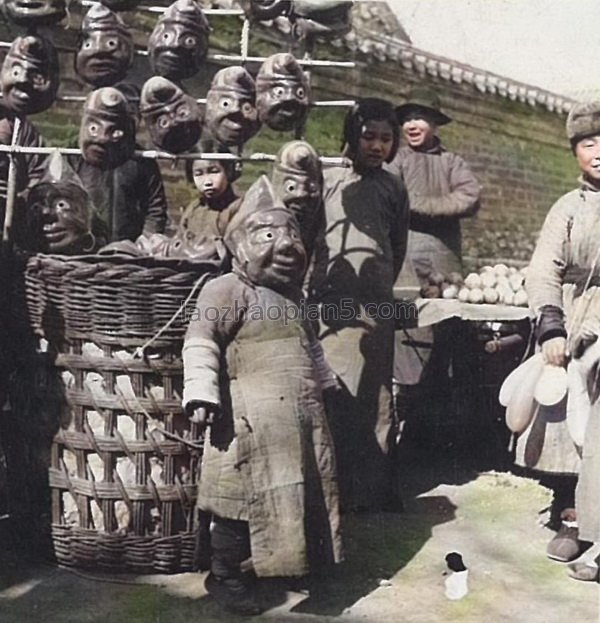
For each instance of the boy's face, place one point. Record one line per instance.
(587, 152)
(375, 144)
(418, 131)
(209, 178)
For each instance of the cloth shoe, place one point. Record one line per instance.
(584, 571)
(233, 595)
(566, 546)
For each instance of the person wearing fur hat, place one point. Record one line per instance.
(268, 468)
(356, 263)
(127, 191)
(564, 292)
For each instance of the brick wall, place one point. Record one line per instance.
(518, 152)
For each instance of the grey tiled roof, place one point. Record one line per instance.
(378, 35)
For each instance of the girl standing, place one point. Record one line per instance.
(357, 261)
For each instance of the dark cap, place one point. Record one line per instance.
(425, 100)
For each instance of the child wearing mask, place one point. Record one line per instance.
(356, 263)
(268, 470)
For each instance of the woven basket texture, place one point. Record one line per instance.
(125, 461)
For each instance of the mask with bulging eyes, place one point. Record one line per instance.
(178, 44)
(298, 181)
(261, 10)
(29, 76)
(264, 240)
(282, 92)
(231, 115)
(58, 218)
(105, 48)
(172, 117)
(32, 13)
(107, 131)
(326, 19)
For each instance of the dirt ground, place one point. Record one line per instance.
(394, 572)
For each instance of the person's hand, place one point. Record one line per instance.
(554, 351)
(202, 413)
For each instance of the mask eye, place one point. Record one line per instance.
(39, 80)
(93, 129)
(117, 134)
(225, 103)
(62, 205)
(294, 235)
(166, 37)
(265, 235)
(278, 92)
(87, 45)
(16, 73)
(247, 109)
(163, 121)
(290, 187)
(111, 43)
(183, 112)
(300, 93)
(189, 41)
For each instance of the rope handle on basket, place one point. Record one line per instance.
(139, 352)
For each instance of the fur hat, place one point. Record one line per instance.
(583, 120)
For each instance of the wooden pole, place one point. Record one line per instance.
(11, 186)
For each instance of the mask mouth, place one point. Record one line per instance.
(179, 138)
(21, 94)
(285, 115)
(35, 7)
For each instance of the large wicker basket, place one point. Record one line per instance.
(124, 462)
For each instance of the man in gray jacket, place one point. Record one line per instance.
(441, 191)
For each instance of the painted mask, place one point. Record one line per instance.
(58, 212)
(31, 13)
(105, 48)
(171, 116)
(107, 131)
(29, 76)
(298, 180)
(178, 44)
(231, 115)
(264, 240)
(121, 5)
(321, 18)
(259, 10)
(282, 92)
